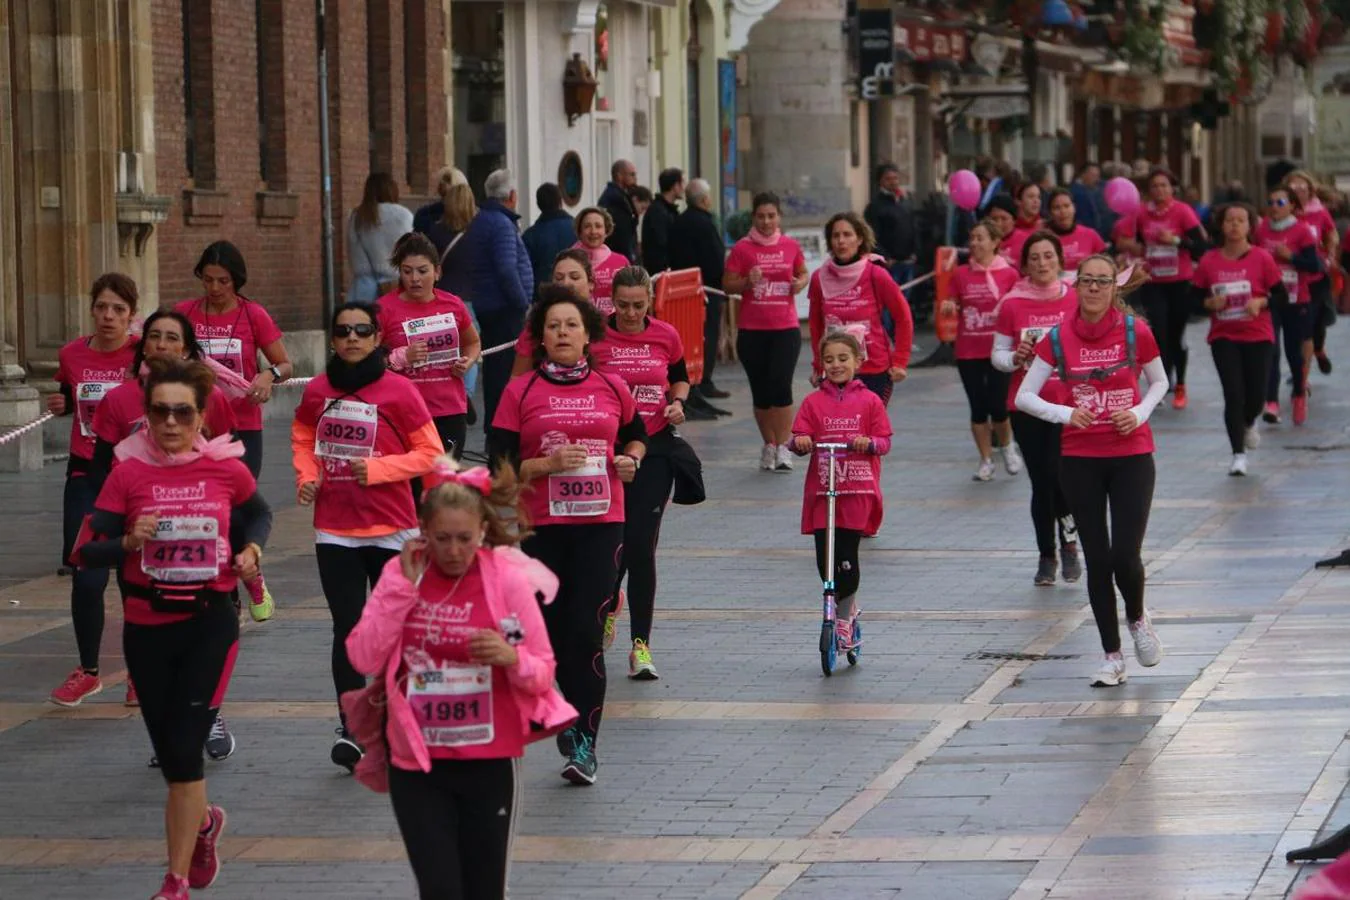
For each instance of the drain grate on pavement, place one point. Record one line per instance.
(1011, 656)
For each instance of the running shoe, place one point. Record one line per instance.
(77, 687)
(175, 887)
(1012, 459)
(219, 743)
(1045, 572)
(640, 666)
(1238, 465)
(612, 619)
(205, 863)
(1324, 363)
(768, 457)
(1147, 648)
(1112, 671)
(581, 765)
(261, 605)
(1251, 437)
(1179, 397)
(346, 752)
(1300, 410)
(132, 699)
(567, 742)
(1272, 413)
(985, 472)
(1071, 567)
(784, 463)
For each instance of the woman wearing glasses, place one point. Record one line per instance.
(1294, 245)
(1097, 353)
(361, 434)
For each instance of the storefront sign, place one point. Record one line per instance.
(876, 55)
(726, 133)
(925, 43)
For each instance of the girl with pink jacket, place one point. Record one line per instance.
(455, 631)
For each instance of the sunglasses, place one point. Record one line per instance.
(1099, 283)
(364, 330)
(159, 413)
(1281, 202)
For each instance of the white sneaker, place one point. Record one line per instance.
(1147, 648)
(768, 456)
(1111, 673)
(1012, 458)
(784, 461)
(1251, 438)
(986, 470)
(1239, 464)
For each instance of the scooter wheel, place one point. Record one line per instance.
(857, 644)
(829, 652)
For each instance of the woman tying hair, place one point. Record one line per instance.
(594, 226)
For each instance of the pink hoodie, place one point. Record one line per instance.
(834, 414)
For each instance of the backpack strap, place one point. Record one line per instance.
(1129, 341)
(1058, 351)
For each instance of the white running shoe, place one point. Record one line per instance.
(1251, 438)
(768, 457)
(1239, 464)
(784, 461)
(1111, 673)
(1147, 648)
(1012, 458)
(986, 470)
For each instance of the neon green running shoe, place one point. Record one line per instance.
(262, 609)
(612, 619)
(640, 667)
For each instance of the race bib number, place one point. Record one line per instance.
(347, 430)
(229, 352)
(441, 335)
(88, 395)
(1163, 260)
(184, 549)
(852, 474)
(1236, 296)
(583, 491)
(452, 704)
(1290, 279)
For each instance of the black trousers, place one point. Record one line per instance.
(986, 390)
(586, 560)
(86, 585)
(1039, 441)
(1294, 325)
(458, 822)
(1324, 312)
(1242, 369)
(1167, 307)
(497, 328)
(644, 505)
(452, 431)
(253, 449)
(178, 670)
(1124, 484)
(712, 335)
(847, 572)
(345, 573)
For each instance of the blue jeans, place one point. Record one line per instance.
(471, 376)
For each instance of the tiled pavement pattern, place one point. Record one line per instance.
(938, 769)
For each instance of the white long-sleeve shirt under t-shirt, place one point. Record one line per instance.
(1029, 401)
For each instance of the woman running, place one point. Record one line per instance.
(454, 633)
(648, 356)
(1028, 221)
(361, 433)
(1313, 213)
(1098, 352)
(572, 270)
(978, 286)
(843, 411)
(1239, 283)
(575, 437)
(232, 330)
(88, 370)
(849, 293)
(1291, 241)
(430, 338)
(1002, 212)
(1079, 241)
(594, 226)
(1036, 304)
(164, 516)
(768, 270)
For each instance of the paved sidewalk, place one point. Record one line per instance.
(944, 766)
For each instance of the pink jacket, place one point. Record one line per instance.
(514, 586)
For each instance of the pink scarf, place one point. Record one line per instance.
(1029, 290)
(1094, 331)
(230, 384)
(598, 255)
(1314, 205)
(757, 238)
(997, 264)
(835, 279)
(141, 446)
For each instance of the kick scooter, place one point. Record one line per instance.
(829, 638)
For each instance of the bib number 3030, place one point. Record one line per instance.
(453, 704)
(583, 491)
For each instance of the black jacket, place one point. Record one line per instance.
(620, 208)
(695, 243)
(892, 220)
(656, 226)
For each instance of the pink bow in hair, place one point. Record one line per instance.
(478, 478)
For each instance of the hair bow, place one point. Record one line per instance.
(478, 478)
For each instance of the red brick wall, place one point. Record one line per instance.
(285, 261)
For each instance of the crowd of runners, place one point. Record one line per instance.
(472, 606)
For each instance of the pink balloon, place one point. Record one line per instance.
(1122, 196)
(964, 188)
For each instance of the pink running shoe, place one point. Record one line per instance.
(132, 699)
(1300, 410)
(843, 631)
(175, 887)
(205, 861)
(77, 686)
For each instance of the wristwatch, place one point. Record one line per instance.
(276, 372)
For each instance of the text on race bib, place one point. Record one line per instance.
(1163, 259)
(184, 549)
(583, 491)
(452, 704)
(347, 430)
(229, 352)
(88, 395)
(441, 335)
(1236, 295)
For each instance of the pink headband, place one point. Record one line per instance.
(478, 478)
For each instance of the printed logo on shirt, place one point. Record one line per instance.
(578, 404)
(640, 351)
(1104, 357)
(115, 376)
(166, 494)
(843, 423)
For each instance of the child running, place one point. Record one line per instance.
(842, 410)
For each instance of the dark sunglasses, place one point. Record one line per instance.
(159, 412)
(364, 330)
(1280, 202)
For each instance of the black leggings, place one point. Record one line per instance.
(1293, 322)
(644, 505)
(1167, 307)
(86, 585)
(453, 430)
(770, 360)
(253, 449)
(586, 559)
(1324, 312)
(1242, 369)
(1039, 441)
(1113, 558)
(986, 390)
(847, 572)
(458, 822)
(344, 573)
(880, 384)
(179, 670)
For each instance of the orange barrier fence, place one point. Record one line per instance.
(944, 270)
(680, 302)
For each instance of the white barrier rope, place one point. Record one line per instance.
(24, 429)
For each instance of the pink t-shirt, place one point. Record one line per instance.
(858, 312)
(466, 710)
(1320, 223)
(1239, 280)
(1295, 238)
(1085, 353)
(91, 376)
(1167, 262)
(769, 305)
(1021, 317)
(193, 503)
(978, 294)
(234, 340)
(547, 416)
(122, 413)
(439, 323)
(833, 415)
(377, 420)
(603, 295)
(1078, 245)
(643, 362)
(1126, 228)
